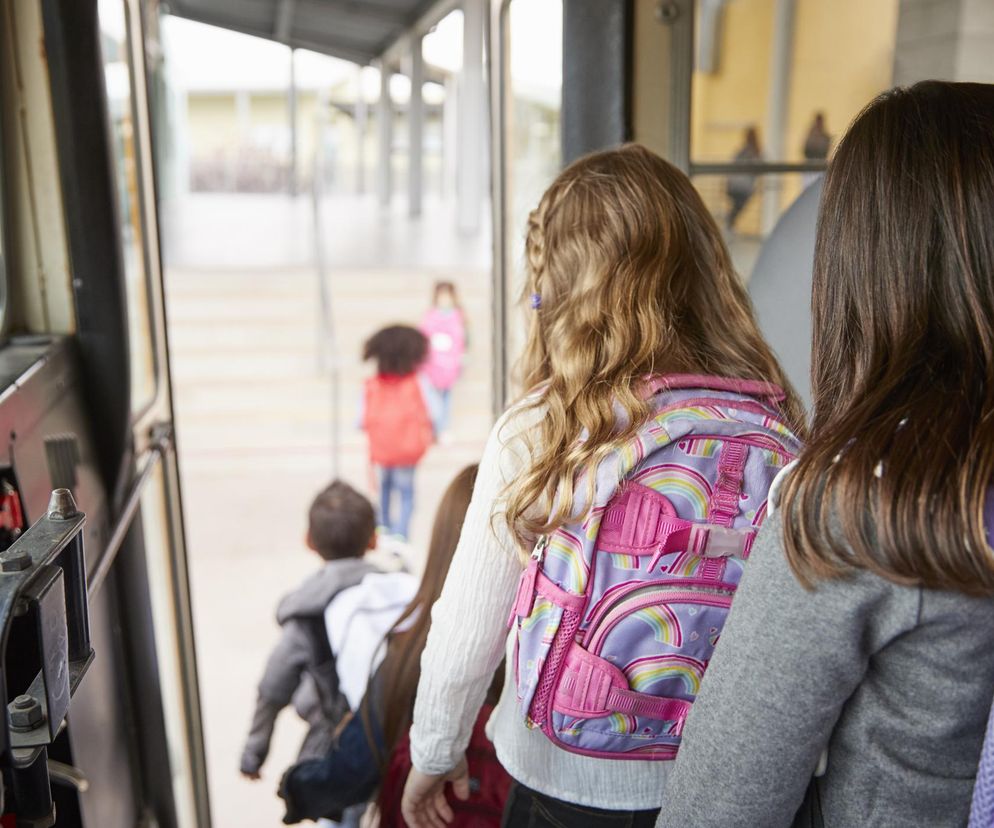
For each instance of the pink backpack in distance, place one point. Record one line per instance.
(617, 616)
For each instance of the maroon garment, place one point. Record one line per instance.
(488, 781)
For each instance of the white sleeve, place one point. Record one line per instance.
(469, 621)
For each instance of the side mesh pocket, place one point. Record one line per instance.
(535, 635)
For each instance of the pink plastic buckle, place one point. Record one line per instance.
(718, 542)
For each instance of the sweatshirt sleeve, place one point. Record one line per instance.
(787, 662)
(280, 680)
(469, 621)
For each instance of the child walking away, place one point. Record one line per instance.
(445, 326)
(372, 751)
(637, 469)
(864, 623)
(395, 417)
(301, 668)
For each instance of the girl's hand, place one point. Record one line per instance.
(370, 817)
(424, 804)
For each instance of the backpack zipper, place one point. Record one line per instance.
(538, 553)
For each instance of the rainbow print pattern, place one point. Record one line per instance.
(664, 623)
(760, 514)
(543, 612)
(676, 454)
(592, 525)
(686, 565)
(699, 412)
(646, 672)
(676, 481)
(567, 550)
(775, 425)
(700, 447)
(622, 723)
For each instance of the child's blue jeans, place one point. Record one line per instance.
(399, 481)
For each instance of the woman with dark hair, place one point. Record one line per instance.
(856, 671)
(372, 750)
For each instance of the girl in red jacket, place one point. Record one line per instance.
(395, 417)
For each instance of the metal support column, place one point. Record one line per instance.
(361, 123)
(416, 124)
(596, 76)
(777, 106)
(471, 155)
(679, 16)
(384, 117)
(449, 132)
(291, 105)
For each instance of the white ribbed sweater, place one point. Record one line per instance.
(465, 645)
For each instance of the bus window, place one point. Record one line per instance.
(118, 75)
(532, 37)
(770, 97)
(3, 257)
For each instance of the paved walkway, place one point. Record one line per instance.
(255, 420)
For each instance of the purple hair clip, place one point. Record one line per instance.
(536, 301)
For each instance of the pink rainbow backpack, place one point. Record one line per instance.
(617, 616)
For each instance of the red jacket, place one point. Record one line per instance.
(396, 419)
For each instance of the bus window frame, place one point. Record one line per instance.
(681, 17)
(500, 67)
(4, 250)
(137, 101)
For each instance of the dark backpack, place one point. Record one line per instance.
(489, 783)
(322, 668)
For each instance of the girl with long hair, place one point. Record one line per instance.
(370, 750)
(855, 673)
(628, 279)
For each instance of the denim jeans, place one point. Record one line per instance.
(399, 481)
(440, 408)
(530, 809)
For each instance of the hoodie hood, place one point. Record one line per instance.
(313, 595)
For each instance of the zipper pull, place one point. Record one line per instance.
(538, 553)
(524, 603)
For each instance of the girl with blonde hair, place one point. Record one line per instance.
(629, 283)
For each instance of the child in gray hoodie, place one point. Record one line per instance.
(301, 668)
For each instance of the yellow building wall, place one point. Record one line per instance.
(725, 103)
(842, 56)
(212, 122)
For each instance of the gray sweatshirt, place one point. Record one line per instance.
(895, 681)
(300, 667)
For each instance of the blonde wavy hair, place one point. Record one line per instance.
(634, 280)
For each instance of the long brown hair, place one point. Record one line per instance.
(901, 453)
(631, 278)
(401, 668)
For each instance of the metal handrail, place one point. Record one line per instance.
(755, 167)
(122, 525)
(327, 346)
